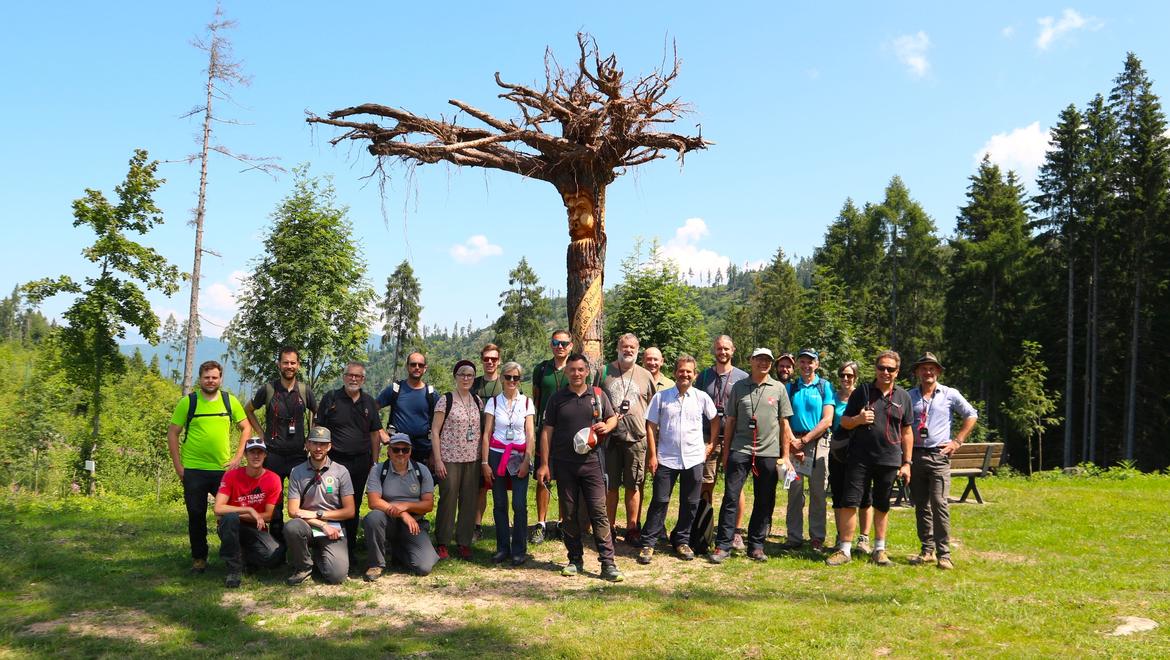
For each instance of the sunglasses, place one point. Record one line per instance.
(888, 370)
(400, 450)
(847, 375)
(416, 365)
(515, 378)
(490, 359)
(560, 343)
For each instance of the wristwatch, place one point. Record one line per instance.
(320, 515)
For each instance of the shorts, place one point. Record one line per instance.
(837, 470)
(711, 465)
(859, 476)
(625, 464)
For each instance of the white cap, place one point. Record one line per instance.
(763, 351)
(584, 440)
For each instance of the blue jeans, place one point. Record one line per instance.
(511, 541)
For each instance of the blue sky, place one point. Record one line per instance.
(808, 106)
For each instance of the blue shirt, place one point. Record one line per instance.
(808, 404)
(411, 413)
(839, 410)
(937, 412)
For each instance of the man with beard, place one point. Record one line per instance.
(355, 429)
(630, 388)
(717, 381)
(412, 405)
(285, 401)
(548, 377)
(320, 499)
(206, 417)
(881, 445)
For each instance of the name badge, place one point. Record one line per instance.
(510, 434)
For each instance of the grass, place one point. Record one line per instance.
(1044, 569)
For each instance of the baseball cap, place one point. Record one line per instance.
(786, 356)
(808, 352)
(584, 440)
(399, 438)
(320, 434)
(762, 351)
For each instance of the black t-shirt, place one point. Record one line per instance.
(284, 415)
(350, 423)
(879, 443)
(568, 413)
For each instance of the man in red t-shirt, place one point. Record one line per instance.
(244, 504)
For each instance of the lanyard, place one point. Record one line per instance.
(755, 426)
(721, 391)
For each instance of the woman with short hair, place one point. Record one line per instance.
(509, 441)
(455, 443)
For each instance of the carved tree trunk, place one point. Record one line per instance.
(585, 260)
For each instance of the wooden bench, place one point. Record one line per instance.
(972, 460)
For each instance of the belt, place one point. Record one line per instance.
(929, 450)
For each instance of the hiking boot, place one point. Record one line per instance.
(199, 567)
(863, 545)
(792, 544)
(442, 552)
(880, 558)
(684, 552)
(573, 569)
(838, 558)
(537, 535)
(464, 552)
(737, 543)
(299, 577)
(610, 572)
(757, 554)
(499, 557)
(646, 555)
(718, 556)
(478, 533)
(818, 545)
(945, 564)
(232, 580)
(921, 558)
(373, 573)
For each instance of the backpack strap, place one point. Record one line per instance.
(193, 401)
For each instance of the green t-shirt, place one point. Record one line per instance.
(549, 379)
(208, 445)
(769, 402)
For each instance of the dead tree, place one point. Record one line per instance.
(579, 133)
(222, 73)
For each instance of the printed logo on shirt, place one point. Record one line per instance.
(252, 499)
(329, 482)
(414, 489)
(771, 401)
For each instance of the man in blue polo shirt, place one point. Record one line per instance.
(812, 415)
(411, 403)
(934, 406)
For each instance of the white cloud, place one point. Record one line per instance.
(474, 249)
(1008, 32)
(1022, 149)
(684, 251)
(1052, 28)
(911, 51)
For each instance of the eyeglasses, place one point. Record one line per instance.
(416, 365)
(358, 376)
(400, 450)
(490, 359)
(465, 375)
(515, 378)
(560, 343)
(887, 370)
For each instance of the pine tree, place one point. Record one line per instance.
(775, 305)
(400, 312)
(523, 306)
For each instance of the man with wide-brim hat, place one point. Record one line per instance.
(934, 406)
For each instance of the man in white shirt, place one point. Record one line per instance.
(676, 448)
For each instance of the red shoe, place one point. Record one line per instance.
(442, 550)
(465, 553)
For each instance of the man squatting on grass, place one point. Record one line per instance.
(320, 497)
(244, 505)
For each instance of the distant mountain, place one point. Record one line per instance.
(208, 348)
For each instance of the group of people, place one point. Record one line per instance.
(594, 430)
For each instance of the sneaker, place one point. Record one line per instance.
(922, 558)
(838, 558)
(372, 574)
(737, 543)
(863, 545)
(299, 577)
(572, 569)
(646, 555)
(880, 558)
(478, 533)
(537, 535)
(610, 572)
(499, 557)
(199, 567)
(519, 560)
(442, 550)
(718, 556)
(945, 564)
(757, 554)
(792, 544)
(684, 552)
(818, 545)
(232, 580)
(464, 552)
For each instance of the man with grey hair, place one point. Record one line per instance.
(630, 388)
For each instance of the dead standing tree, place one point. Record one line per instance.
(579, 133)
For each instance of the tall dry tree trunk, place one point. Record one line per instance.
(197, 263)
(585, 262)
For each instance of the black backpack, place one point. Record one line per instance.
(703, 528)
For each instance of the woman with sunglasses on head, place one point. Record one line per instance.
(847, 375)
(509, 441)
(455, 443)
